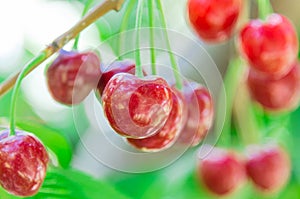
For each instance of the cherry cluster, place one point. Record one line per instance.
(151, 114)
(224, 171)
(270, 47)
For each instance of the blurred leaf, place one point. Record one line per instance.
(60, 183)
(5, 195)
(176, 181)
(133, 185)
(51, 138)
(4, 104)
(291, 191)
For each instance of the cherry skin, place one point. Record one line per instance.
(221, 171)
(213, 20)
(72, 76)
(270, 46)
(166, 136)
(268, 167)
(137, 107)
(200, 113)
(276, 95)
(124, 66)
(23, 163)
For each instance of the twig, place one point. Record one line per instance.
(63, 39)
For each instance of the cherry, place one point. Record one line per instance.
(200, 113)
(166, 136)
(72, 76)
(137, 107)
(23, 163)
(221, 171)
(268, 167)
(270, 46)
(213, 20)
(276, 94)
(125, 66)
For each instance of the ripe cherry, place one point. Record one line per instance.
(213, 20)
(221, 171)
(137, 107)
(276, 95)
(268, 167)
(124, 66)
(166, 136)
(270, 46)
(200, 113)
(72, 76)
(23, 163)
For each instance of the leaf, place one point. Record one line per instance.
(53, 139)
(72, 184)
(5, 195)
(134, 185)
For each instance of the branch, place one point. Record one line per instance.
(63, 39)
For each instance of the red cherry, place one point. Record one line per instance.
(270, 46)
(214, 20)
(166, 136)
(268, 167)
(72, 76)
(124, 66)
(23, 163)
(276, 94)
(137, 108)
(200, 113)
(221, 171)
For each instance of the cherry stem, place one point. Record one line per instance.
(138, 24)
(264, 8)
(26, 70)
(151, 24)
(85, 9)
(245, 118)
(124, 24)
(231, 80)
(63, 39)
(175, 68)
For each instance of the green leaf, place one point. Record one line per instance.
(53, 139)
(72, 184)
(291, 191)
(5, 195)
(134, 185)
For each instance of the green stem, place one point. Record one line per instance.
(124, 24)
(231, 81)
(138, 24)
(86, 8)
(151, 24)
(175, 68)
(264, 8)
(16, 89)
(245, 118)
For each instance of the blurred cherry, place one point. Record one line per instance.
(270, 46)
(213, 20)
(72, 76)
(268, 166)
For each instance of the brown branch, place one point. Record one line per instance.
(63, 39)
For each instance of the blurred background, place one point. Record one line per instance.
(28, 26)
